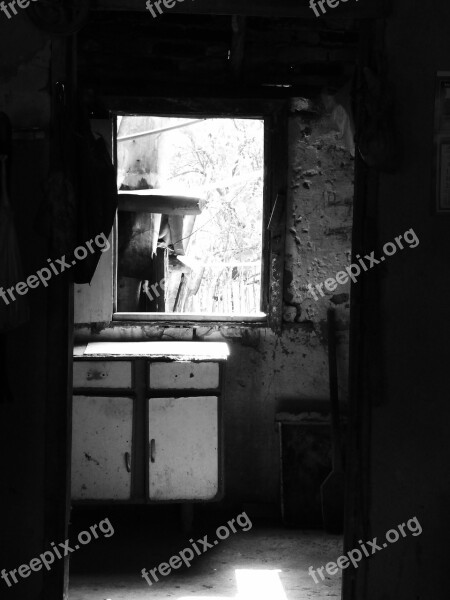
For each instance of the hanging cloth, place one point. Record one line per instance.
(81, 192)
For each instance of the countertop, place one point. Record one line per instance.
(170, 350)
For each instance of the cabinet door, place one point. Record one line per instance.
(101, 448)
(183, 448)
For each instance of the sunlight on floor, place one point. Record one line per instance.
(257, 584)
(253, 584)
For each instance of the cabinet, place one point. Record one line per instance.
(147, 427)
(101, 447)
(183, 435)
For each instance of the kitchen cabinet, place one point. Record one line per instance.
(101, 448)
(183, 435)
(146, 422)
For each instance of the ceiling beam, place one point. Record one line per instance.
(255, 8)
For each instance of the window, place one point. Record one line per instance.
(192, 218)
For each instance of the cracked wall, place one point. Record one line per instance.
(269, 372)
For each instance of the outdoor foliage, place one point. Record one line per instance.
(221, 161)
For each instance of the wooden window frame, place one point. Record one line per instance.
(274, 113)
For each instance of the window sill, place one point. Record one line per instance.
(188, 318)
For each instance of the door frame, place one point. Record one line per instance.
(59, 365)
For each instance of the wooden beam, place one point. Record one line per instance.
(133, 136)
(58, 413)
(275, 186)
(153, 201)
(217, 106)
(256, 8)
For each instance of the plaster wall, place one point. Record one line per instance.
(269, 372)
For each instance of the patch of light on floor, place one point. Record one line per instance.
(259, 584)
(205, 598)
(252, 584)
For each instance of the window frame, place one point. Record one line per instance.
(274, 114)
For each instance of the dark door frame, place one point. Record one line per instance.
(363, 324)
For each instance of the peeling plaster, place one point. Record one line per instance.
(266, 367)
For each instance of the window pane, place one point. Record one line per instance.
(194, 243)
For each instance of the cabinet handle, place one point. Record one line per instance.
(128, 461)
(152, 450)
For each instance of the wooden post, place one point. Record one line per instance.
(58, 407)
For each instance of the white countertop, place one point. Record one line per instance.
(173, 350)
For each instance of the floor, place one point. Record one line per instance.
(266, 562)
